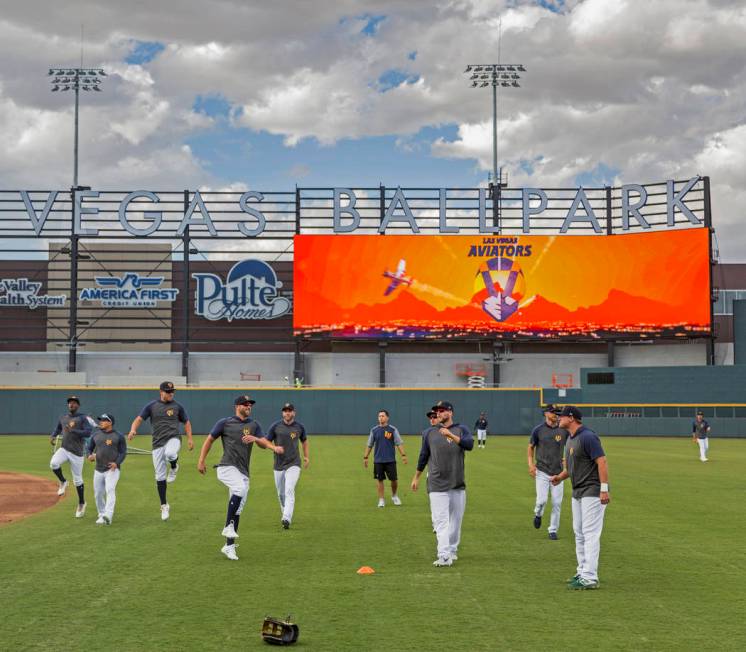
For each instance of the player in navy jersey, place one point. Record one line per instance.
(385, 439)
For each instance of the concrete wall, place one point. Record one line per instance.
(236, 369)
(342, 369)
(659, 354)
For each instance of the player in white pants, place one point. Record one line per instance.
(107, 448)
(700, 434)
(589, 475)
(75, 428)
(287, 432)
(238, 433)
(442, 451)
(546, 458)
(481, 427)
(165, 416)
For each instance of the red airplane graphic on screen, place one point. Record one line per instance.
(397, 278)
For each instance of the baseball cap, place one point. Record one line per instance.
(244, 400)
(288, 407)
(550, 407)
(700, 413)
(167, 386)
(571, 411)
(107, 417)
(442, 405)
(431, 414)
(73, 398)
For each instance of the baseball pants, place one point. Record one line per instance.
(104, 490)
(481, 436)
(164, 454)
(588, 522)
(704, 446)
(237, 483)
(76, 464)
(447, 511)
(285, 482)
(543, 487)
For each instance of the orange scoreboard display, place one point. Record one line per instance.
(635, 286)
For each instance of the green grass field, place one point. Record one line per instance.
(673, 559)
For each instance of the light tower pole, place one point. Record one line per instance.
(75, 79)
(504, 75)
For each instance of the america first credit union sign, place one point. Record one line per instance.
(534, 204)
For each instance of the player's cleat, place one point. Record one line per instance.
(165, 512)
(572, 579)
(61, 488)
(703, 459)
(583, 585)
(285, 524)
(537, 522)
(100, 520)
(396, 500)
(553, 536)
(80, 511)
(107, 520)
(443, 561)
(381, 503)
(230, 551)
(229, 531)
(172, 474)
(454, 557)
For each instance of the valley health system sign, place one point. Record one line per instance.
(251, 291)
(23, 292)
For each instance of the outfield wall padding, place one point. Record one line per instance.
(322, 411)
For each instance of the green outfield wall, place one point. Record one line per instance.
(322, 411)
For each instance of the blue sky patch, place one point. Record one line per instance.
(263, 162)
(143, 52)
(601, 175)
(372, 23)
(212, 105)
(393, 78)
(555, 6)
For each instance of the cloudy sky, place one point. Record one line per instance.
(266, 95)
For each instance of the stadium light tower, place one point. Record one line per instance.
(76, 79)
(502, 75)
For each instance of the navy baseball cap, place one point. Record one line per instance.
(244, 400)
(73, 398)
(288, 407)
(167, 386)
(107, 417)
(571, 411)
(442, 405)
(431, 414)
(550, 407)
(700, 413)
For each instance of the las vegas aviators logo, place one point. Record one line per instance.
(251, 291)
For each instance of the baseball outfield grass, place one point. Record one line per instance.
(673, 559)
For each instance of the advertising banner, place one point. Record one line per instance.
(644, 285)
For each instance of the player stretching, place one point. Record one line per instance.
(386, 439)
(443, 450)
(548, 443)
(700, 432)
(75, 429)
(287, 432)
(110, 448)
(481, 427)
(165, 414)
(589, 475)
(238, 433)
